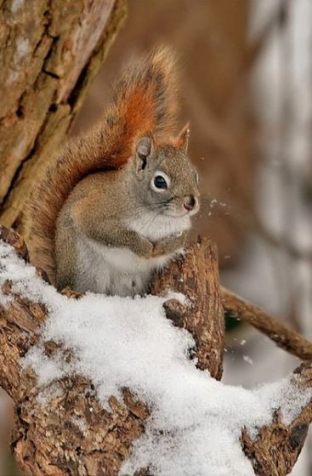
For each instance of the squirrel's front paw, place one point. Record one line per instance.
(159, 249)
(144, 249)
(169, 244)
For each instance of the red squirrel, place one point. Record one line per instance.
(115, 204)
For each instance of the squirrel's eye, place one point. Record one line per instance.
(160, 182)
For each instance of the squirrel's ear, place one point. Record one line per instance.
(143, 150)
(183, 138)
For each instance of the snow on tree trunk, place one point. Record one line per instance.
(62, 426)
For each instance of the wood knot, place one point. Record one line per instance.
(297, 436)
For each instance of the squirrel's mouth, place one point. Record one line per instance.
(183, 206)
(182, 209)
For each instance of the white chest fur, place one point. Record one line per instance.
(155, 226)
(119, 271)
(114, 271)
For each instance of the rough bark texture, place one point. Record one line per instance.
(277, 447)
(196, 276)
(48, 438)
(50, 52)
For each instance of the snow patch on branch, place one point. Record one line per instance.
(195, 422)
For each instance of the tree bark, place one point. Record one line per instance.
(48, 439)
(51, 51)
(196, 276)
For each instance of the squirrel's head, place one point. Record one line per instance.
(168, 180)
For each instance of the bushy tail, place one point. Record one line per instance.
(144, 101)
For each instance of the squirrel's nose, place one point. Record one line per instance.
(190, 202)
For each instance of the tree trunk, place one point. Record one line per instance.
(50, 53)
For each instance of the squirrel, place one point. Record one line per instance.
(115, 204)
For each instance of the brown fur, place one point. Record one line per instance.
(144, 101)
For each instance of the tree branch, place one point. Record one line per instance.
(285, 337)
(277, 446)
(47, 439)
(196, 276)
(63, 430)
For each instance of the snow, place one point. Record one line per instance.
(195, 422)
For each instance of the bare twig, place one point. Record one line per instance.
(285, 337)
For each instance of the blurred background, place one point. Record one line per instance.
(246, 88)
